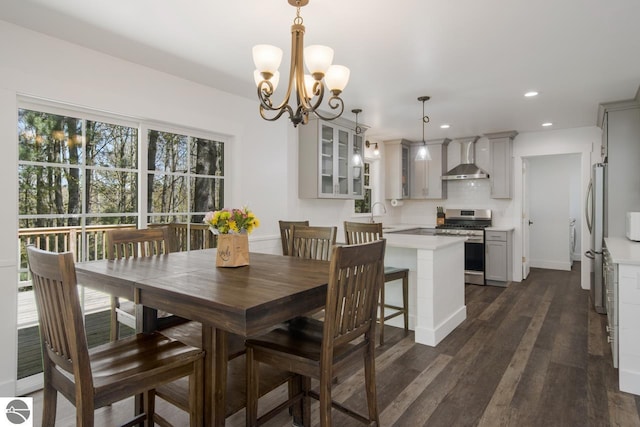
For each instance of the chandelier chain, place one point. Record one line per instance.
(298, 19)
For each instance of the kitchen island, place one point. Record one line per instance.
(436, 282)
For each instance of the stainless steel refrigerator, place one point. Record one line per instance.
(596, 218)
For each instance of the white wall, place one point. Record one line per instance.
(262, 156)
(582, 141)
(550, 192)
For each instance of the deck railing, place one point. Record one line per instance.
(185, 236)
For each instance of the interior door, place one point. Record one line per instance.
(526, 221)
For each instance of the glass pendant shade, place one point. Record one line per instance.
(337, 77)
(423, 153)
(376, 151)
(318, 59)
(267, 58)
(257, 77)
(357, 160)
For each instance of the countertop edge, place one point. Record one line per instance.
(623, 251)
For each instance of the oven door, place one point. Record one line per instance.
(474, 261)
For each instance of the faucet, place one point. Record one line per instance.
(384, 209)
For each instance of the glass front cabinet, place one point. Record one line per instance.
(330, 160)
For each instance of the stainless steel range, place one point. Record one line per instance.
(470, 223)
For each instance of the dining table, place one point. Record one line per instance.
(244, 300)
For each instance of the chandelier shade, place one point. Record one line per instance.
(309, 89)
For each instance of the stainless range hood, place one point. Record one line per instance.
(467, 168)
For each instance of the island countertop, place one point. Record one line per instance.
(421, 242)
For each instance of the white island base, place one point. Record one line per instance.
(436, 283)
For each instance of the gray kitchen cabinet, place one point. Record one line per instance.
(501, 170)
(498, 264)
(426, 175)
(397, 179)
(330, 160)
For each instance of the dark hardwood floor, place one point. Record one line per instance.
(533, 354)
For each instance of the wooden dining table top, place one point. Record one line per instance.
(242, 300)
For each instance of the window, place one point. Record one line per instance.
(81, 173)
(364, 205)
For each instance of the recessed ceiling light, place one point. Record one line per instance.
(547, 124)
(531, 93)
(445, 126)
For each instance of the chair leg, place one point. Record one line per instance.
(382, 314)
(251, 416)
(370, 382)
(325, 398)
(84, 411)
(405, 301)
(149, 399)
(196, 395)
(306, 401)
(49, 405)
(115, 326)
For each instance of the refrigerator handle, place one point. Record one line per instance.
(587, 205)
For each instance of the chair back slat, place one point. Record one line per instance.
(356, 274)
(312, 242)
(61, 323)
(285, 233)
(356, 233)
(134, 243)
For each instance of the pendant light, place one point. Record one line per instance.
(423, 152)
(357, 157)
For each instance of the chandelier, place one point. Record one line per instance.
(310, 88)
(423, 152)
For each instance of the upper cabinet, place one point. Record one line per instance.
(426, 176)
(330, 160)
(397, 154)
(501, 173)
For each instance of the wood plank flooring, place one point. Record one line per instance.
(533, 354)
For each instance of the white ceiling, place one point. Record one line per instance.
(475, 58)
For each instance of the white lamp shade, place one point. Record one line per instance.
(423, 153)
(337, 77)
(318, 58)
(267, 58)
(309, 81)
(257, 77)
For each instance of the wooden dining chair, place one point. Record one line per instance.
(91, 379)
(285, 233)
(133, 243)
(359, 232)
(321, 350)
(311, 242)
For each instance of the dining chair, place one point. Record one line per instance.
(285, 233)
(134, 243)
(91, 379)
(359, 232)
(320, 350)
(312, 242)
